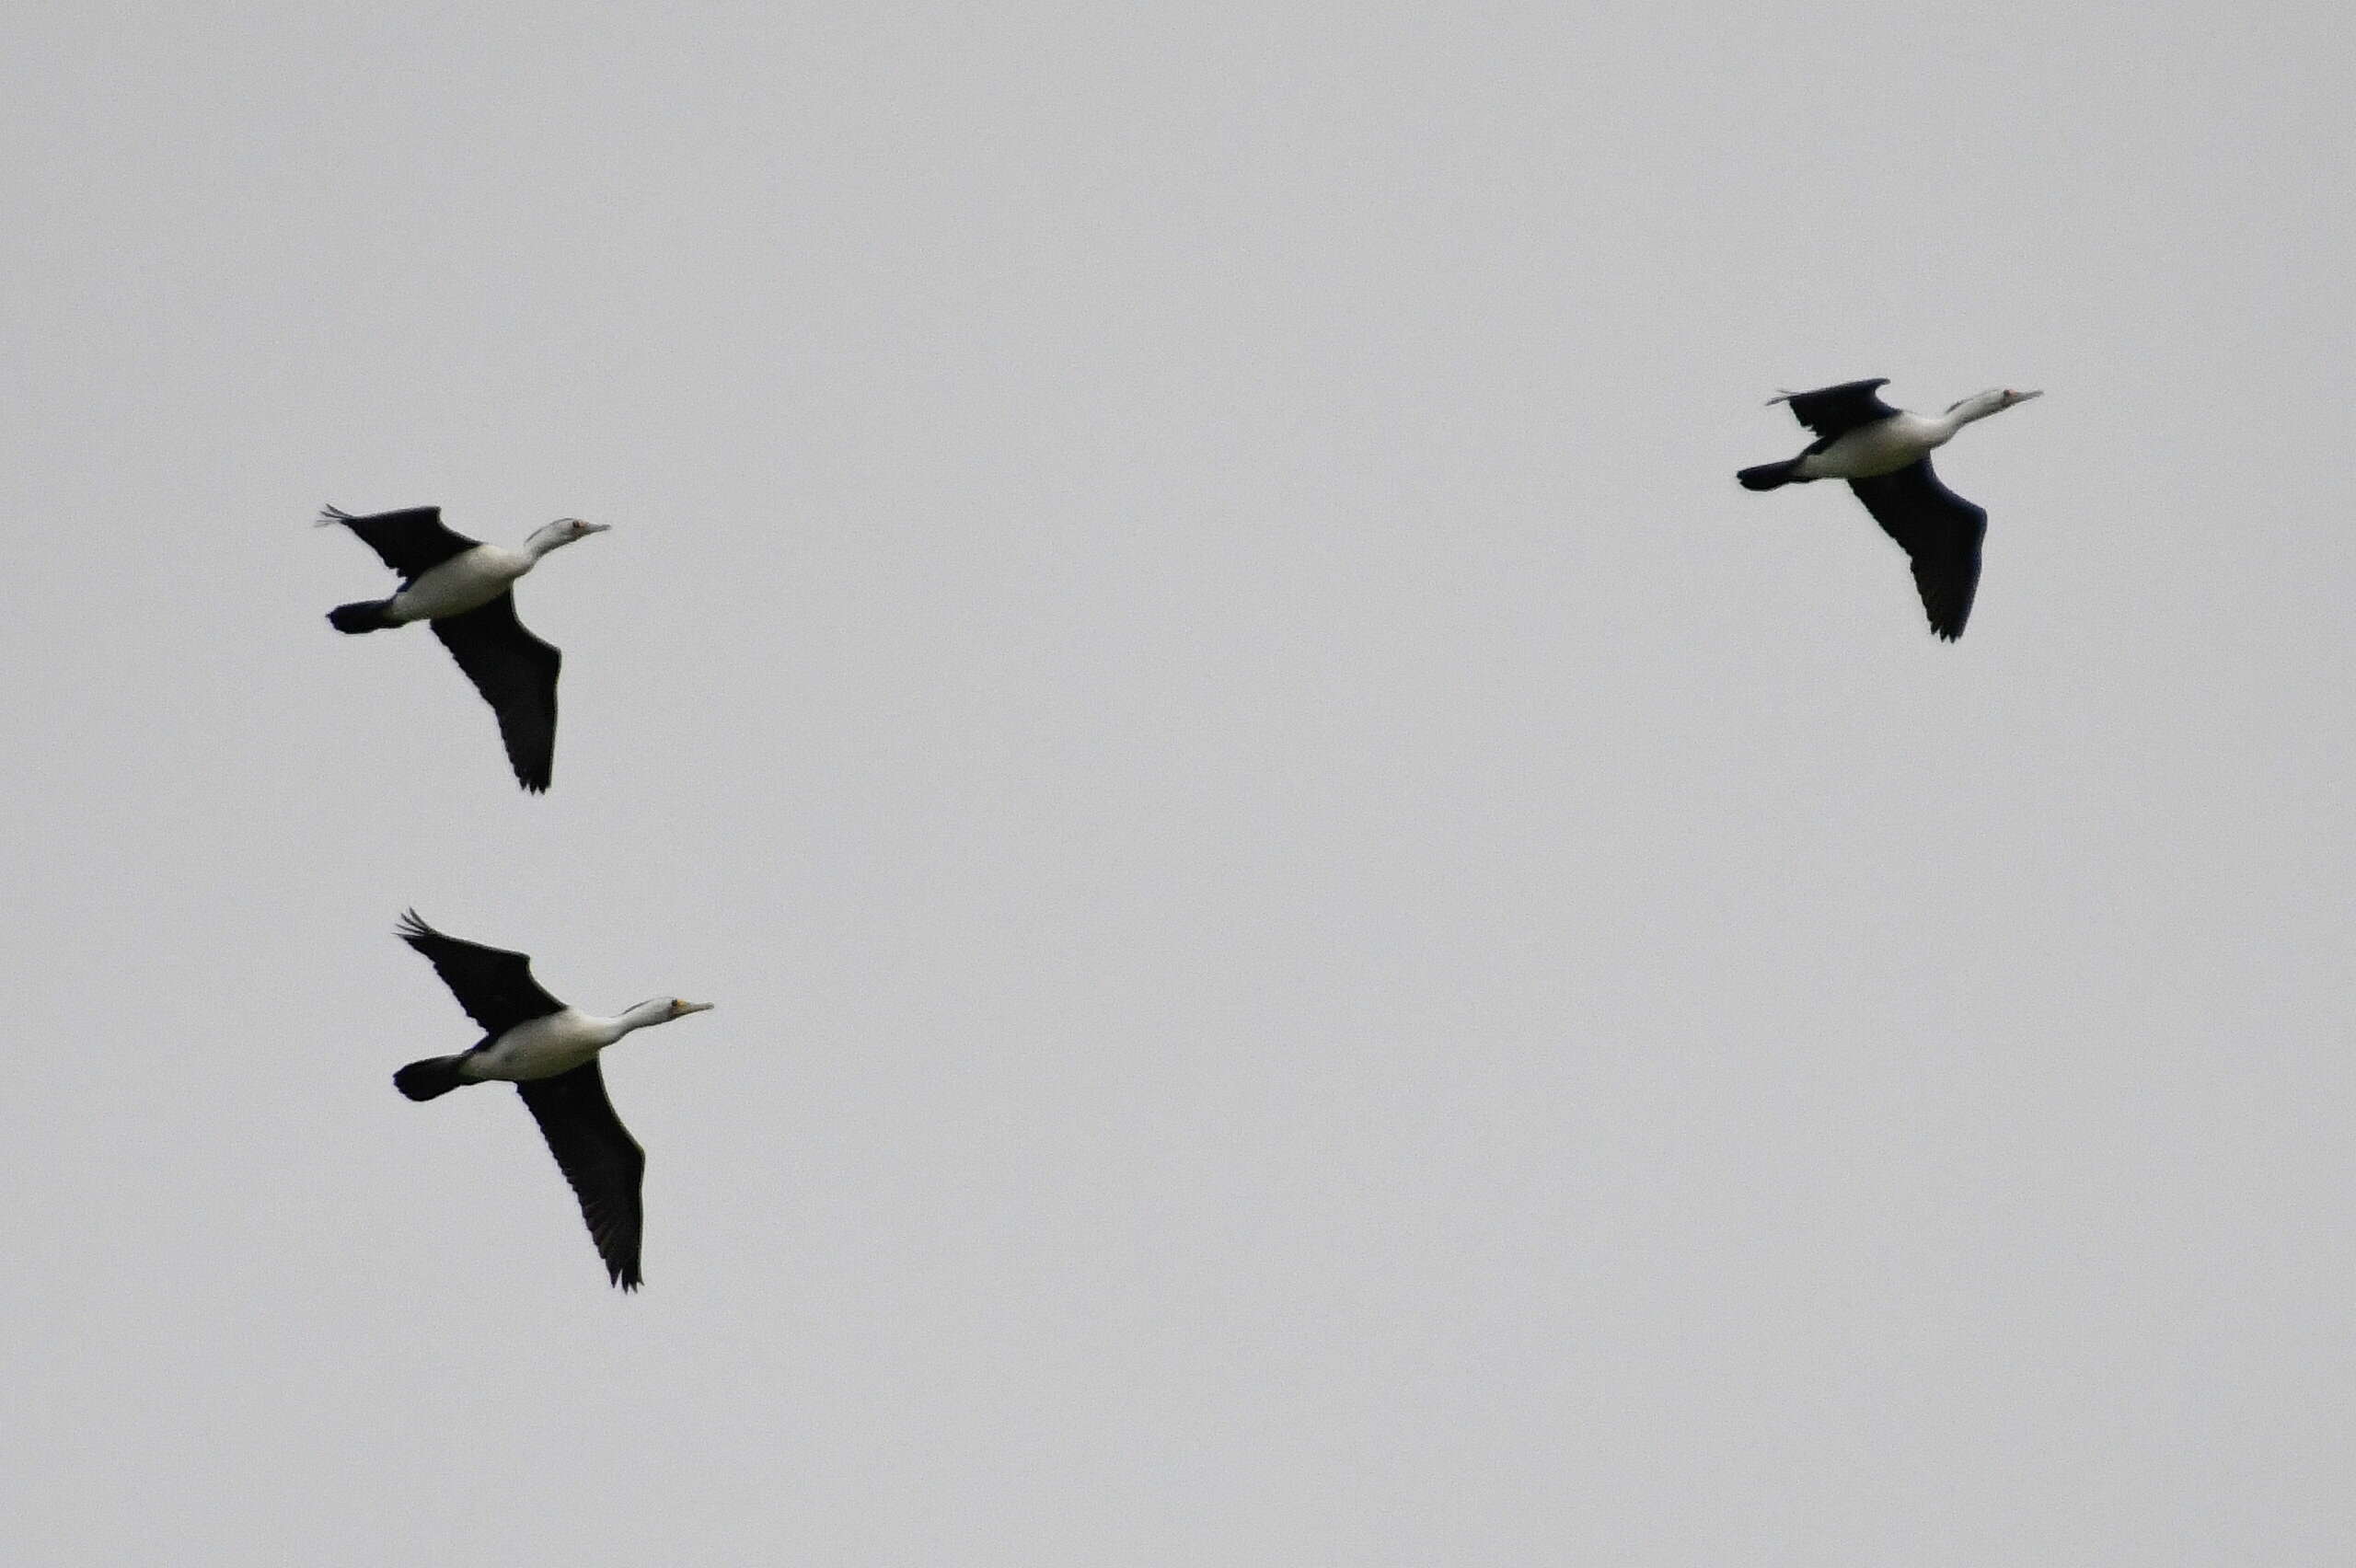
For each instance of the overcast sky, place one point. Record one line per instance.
(1330, 948)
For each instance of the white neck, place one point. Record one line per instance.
(655, 1011)
(1979, 406)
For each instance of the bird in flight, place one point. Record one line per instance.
(548, 1051)
(464, 590)
(1885, 453)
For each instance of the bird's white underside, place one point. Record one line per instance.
(468, 580)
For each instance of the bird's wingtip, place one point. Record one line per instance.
(331, 513)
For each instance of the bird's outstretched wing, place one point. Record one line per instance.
(1940, 533)
(493, 985)
(599, 1158)
(411, 542)
(517, 674)
(1834, 411)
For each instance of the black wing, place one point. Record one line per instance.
(1940, 532)
(410, 542)
(516, 673)
(1836, 411)
(493, 985)
(599, 1158)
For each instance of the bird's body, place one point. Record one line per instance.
(465, 589)
(543, 1047)
(468, 580)
(1885, 454)
(548, 1051)
(1882, 447)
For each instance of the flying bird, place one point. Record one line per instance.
(465, 588)
(548, 1051)
(1885, 453)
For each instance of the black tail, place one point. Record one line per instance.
(431, 1076)
(368, 615)
(1768, 476)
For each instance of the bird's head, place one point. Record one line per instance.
(660, 1009)
(563, 530)
(1996, 400)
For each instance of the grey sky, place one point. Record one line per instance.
(1331, 949)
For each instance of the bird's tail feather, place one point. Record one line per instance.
(365, 614)
(432, 1076)
(1769, 475)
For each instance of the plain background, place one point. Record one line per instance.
(1330, 948)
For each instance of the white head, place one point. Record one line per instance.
(661, 1009)
(563, 530)
(1979, 405)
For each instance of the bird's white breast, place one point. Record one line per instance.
(541, 1047)
(1883, 448)
(468, 580)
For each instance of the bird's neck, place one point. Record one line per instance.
(1963, 413)
(639, 1017)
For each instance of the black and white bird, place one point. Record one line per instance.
(549, 1052)
(465, 588)
(1885, 453)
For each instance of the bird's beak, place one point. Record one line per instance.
(607, 527)
(2025, 397)
(681, 1010)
